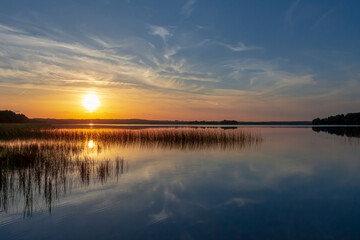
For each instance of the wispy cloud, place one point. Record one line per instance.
(322, 18)
(164, 34)
(10, 29)
(132, 63)
(159, 31)
(47, 62)
(239, 47)
(188, 8)
(267, 79)
(290, 12)
(200, 27)
(41, 61)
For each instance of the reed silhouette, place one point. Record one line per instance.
(42, 172)
(180, 138)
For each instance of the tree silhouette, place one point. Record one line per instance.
(340, 119)
(8, 116)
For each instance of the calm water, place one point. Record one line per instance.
(290, 183)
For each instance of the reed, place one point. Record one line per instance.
(181, 138)
(35, 172)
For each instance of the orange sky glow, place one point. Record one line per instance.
(145, 104)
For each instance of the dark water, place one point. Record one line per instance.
(296, 183)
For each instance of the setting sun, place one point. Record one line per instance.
(91, 102)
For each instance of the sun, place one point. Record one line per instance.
(91, 102)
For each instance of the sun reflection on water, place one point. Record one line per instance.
(91, 144)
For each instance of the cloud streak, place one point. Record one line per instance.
(27, 59)
(159, 31)
(135, 63)
(188, 8)
(322, 18)
(290, 12)
(239, 47)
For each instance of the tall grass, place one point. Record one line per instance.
(181, 138)
(35, 172)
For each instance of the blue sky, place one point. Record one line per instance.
(193, 59)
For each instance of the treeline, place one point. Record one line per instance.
(176, 122)
(103, 121)
(8, 116)
(224, 122)
(130, 121)
(340, 119)
(233, 122)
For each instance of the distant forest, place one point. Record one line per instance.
(144, 121)
(8, 116)
(340, 119)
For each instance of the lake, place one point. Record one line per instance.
(161, 182)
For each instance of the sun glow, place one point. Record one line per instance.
(91, 102)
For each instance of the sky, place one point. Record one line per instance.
(181, 60)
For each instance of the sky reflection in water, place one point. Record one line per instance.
(295, 184)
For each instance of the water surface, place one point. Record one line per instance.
(287, 183)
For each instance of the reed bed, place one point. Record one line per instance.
(181, 138)
(41, 173)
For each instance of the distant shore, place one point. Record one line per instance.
(144, 121)
(350, 119)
